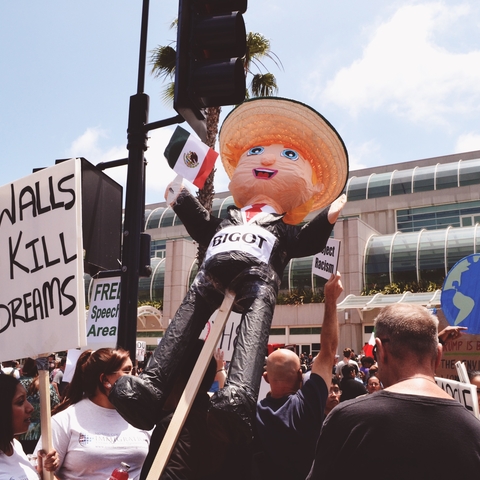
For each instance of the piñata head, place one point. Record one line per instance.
(274, 130)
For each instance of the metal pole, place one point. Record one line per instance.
(134, 202)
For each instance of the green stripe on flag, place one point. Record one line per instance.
(175, 146)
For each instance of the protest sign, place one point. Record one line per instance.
(141, 350)
(42, 301)
(228, 337)
(103, 314)
(325, 263)
(465, 393)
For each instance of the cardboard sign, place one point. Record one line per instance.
(42, 300)
(228, 338)
(102, 319)
(326, 262)
(141, 349)
(465, 393)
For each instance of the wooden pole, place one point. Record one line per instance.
(45, 415)
(188, 396)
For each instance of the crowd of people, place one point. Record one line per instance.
(319, 411)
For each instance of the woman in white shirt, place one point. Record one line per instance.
(91, 438)
(15, 413)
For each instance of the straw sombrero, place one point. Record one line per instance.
(270, 120)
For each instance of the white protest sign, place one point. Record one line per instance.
(102, 320)
(72, 357)
(228, 338)
(325, 263)
(465, 393)
(42, 300)
(141, 349)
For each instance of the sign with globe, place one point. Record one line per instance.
(461, 294)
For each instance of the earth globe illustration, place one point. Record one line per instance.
(460, 298)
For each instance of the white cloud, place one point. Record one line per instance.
(404, 71)
(363, 155)
(468, 142)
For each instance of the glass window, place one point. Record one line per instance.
(167, 218)
(459, 244)
(404, 257)
(357, 188)
(177, 221)
(302, 273)
(284, 286)
(157, 248)
(432, 256)
(402, 182)
(216, 205)
(379, 185)
(424, 179)
(469, 172)
(446, 176)
(226, 203)
(154, 218)
(158, 281)
(377, 261)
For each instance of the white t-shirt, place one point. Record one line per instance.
(341, 364)
(92, 441)
(17, 466)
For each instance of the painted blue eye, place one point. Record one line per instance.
(290, 154)
(255, 151)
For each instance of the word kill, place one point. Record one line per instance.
(36, 252)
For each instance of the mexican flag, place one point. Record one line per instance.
(190, 157)
(368, 347)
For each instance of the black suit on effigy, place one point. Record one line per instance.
(254, 272)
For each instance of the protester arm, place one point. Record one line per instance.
(450, 333)
(329, 338)
(221, 374)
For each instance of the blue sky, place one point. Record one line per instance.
(400, 80)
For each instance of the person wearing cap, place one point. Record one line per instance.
(284, 160)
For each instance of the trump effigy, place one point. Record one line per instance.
(284, 160)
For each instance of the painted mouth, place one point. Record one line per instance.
(264, 173)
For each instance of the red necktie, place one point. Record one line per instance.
(253, 210)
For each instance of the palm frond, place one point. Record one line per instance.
(163, 61)
(258, 46)
(168, 94)
(264, 85)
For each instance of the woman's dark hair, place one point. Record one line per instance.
(91, 364)
(8, 387)
(30, 368)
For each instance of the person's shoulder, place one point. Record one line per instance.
(314, 383)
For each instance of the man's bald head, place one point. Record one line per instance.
(283, 372)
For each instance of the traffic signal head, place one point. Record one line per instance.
(211, 42)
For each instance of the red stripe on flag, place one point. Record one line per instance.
(207, 166)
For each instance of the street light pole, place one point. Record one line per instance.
(134, 201)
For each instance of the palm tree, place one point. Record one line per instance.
(163, 61)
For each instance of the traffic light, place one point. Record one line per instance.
(209, 72)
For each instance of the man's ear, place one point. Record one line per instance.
(380, 350)
(265, 377)
(439, 355)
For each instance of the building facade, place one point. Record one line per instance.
(403, 227)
